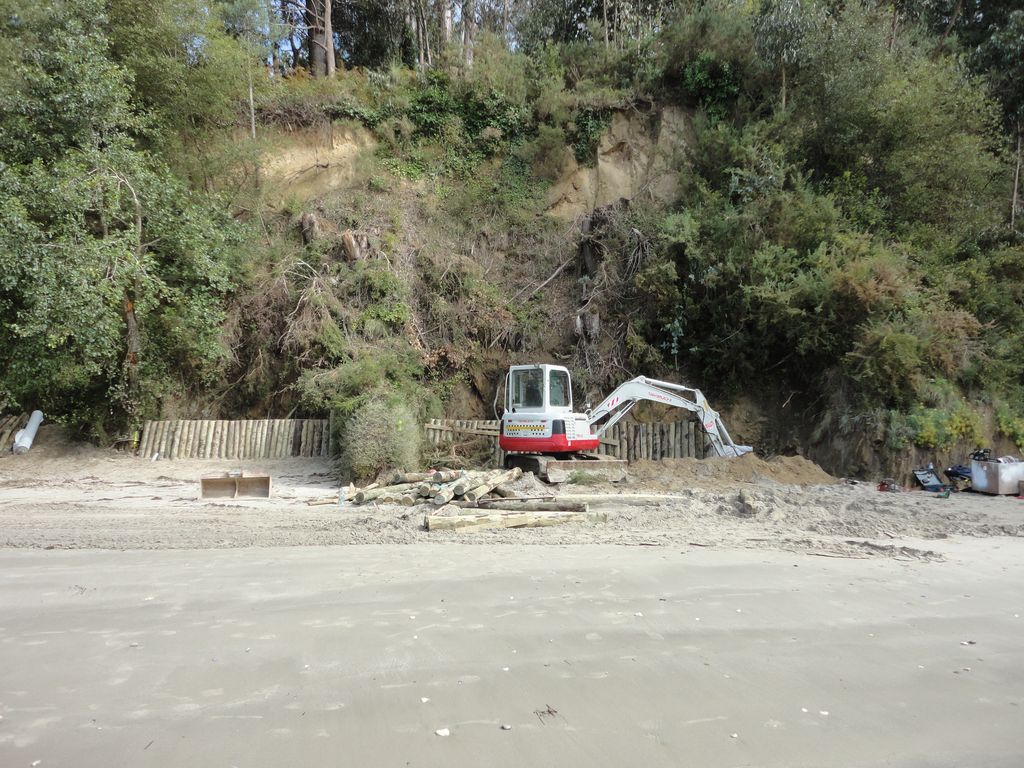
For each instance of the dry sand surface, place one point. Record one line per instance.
(761, 613)
(68, 498)
(591, 655)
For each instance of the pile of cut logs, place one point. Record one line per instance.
(472, 500)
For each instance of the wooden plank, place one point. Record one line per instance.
(325, 428)
(509, 520)
(689, 440)
(229, 439)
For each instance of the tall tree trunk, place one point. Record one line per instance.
(783, 86)
(604, 16)
(957, 10)
(424, 17)
(446, 21)
(320, 38)
(892, 28)
(1014, 205)
(468, 28)
(332, 62)
(252, 106)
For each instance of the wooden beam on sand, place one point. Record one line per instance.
(509, 520)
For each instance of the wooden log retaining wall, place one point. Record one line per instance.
(238, 439)
(632, 441)
(9, 426)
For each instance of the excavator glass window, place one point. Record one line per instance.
(528, 388)
(560, 395)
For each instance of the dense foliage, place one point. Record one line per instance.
(844, 227)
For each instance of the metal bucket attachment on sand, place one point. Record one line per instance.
(234, 485)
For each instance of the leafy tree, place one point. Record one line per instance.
(112, 274)
(780, 29)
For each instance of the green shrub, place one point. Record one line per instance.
(1010, 424)
(937, 428)
(381, 436)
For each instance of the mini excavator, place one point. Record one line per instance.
(541, 432)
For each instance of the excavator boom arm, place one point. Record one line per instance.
(621, 401)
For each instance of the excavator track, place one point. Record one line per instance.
(559, 469)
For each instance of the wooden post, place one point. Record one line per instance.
(174, 431)
(232, 439)
(185, 449)
(186, 439)
(273, 435)
(147, 437)
(159, 427)
(202, 434)
(211, 427)
(281, 438)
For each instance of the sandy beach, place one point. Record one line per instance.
(745, 613)
(592, 655)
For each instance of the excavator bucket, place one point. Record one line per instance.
(234, 485)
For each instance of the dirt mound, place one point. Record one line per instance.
(720, 472)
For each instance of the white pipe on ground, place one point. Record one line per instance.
(23, 440)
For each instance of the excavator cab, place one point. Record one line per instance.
(538, 412)
(537, 388)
